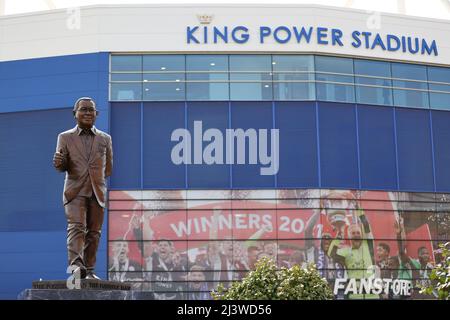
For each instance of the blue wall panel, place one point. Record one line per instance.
(54, 82)
(441, 140)
(251, 115)
(298, 144)
(213, 115)
(377, 147)
(160, 119)
(53, 65)
(126, 137)
(415, 165)
(338, 149)
(31, 189)
(81, 81)
(32, 221)
(31, 255)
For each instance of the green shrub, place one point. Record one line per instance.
(268, 283)
(440, 275)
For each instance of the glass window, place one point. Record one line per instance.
(163, 63)
(250, 68)
(439, 80)
(413, 79)
(332, 74)
(251, 77)
(126, 77)
(172, 76)
(409, 71)
(293, 90)
(333, 64)
(292, 63)
(222, 77)
(372, 87)
(251, 91)
(207, 63)
(126, 91)
(207, 77)
(164, 77)
(207, 91)
(252, 63)
(126, 63)
(163, 91)
(293, 77)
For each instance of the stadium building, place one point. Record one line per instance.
(302, 133)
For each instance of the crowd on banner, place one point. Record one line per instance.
(345, 248)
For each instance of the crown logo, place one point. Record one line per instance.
(205, 18)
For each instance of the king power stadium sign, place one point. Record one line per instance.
(304, 36)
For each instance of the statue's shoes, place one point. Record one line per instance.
(92, 275)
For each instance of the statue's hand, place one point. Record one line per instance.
(58, 159)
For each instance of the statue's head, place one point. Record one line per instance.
(85, 112)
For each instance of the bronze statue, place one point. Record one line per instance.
(85, 154)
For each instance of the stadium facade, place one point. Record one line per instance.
(303, 133)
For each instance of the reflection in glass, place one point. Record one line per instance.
(126, 63)
(250, 91)
(163, 63)
(369, 90)
(281, 78)
(207, 63)
(250, 63)
(207, 77)
(126, 77)
(247, 69)
(293, 77)
(163, 91)
(126, 91)
(336, 70)
(207, 91)
(293, 86)
(439, 100)
(413, 79)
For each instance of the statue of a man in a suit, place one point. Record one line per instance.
(85, 154)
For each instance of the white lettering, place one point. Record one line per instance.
(215, 147)
(365, 285)
(351, 287)
(338, 285)
(251, 145)
(387, 285)
(373, 286)
(181, 152)
(377, 286)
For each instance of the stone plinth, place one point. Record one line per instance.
(85, 284)
(91, 289)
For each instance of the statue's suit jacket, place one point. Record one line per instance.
(78, 165)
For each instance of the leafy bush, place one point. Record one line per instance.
(440, 275)
(268, 283)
